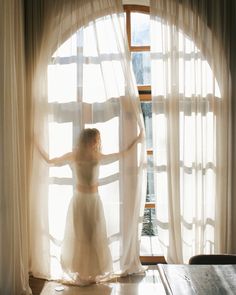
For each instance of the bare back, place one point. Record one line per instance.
(87, 172)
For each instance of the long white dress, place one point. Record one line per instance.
(85, 254)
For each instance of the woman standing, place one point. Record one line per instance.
(85, 255)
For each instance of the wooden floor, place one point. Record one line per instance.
(148, 283)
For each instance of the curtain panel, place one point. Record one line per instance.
(13, 153)
(83, 78)
(232, 32)
(192, 126)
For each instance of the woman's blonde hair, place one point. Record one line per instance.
(89, 142)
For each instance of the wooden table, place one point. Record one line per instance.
(181, 279)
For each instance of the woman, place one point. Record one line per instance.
(85, 254)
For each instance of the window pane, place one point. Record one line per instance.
(60, 138)
(140, 32)
(106, 129)
(149, 226)
(58, 90)
(141, 67)
(150, 180)
(147, 116)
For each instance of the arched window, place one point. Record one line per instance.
(178, 92)
(69, 93)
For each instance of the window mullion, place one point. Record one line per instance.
(128, 28)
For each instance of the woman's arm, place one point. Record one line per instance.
(62, 160)
(57, 161)
(135, 141)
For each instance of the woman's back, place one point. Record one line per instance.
(87, 157)
(87, 172)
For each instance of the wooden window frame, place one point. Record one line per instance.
(144, 90)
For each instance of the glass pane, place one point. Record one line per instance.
(141, 66)
(147, 116)
(102, 74)
(140, 32)
(106, 129)
(150, 180)
(62, 83)
(149, 226)
(97, 93)
(60, 138)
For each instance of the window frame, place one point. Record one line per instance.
(144, 90)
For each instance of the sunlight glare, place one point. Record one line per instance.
(62, 83)
(109, 131)
(60, 135)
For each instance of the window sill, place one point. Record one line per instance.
(150, 250)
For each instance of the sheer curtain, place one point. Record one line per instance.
(191, 124)
(13, 153)
(84, 79)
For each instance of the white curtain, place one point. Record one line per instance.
(191, 125)
(84, 79)
(13, 172)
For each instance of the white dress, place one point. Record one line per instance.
(85, 255)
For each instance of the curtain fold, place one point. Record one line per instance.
(233, 75)
(83, 79)
(192, 124)
(13, 153)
